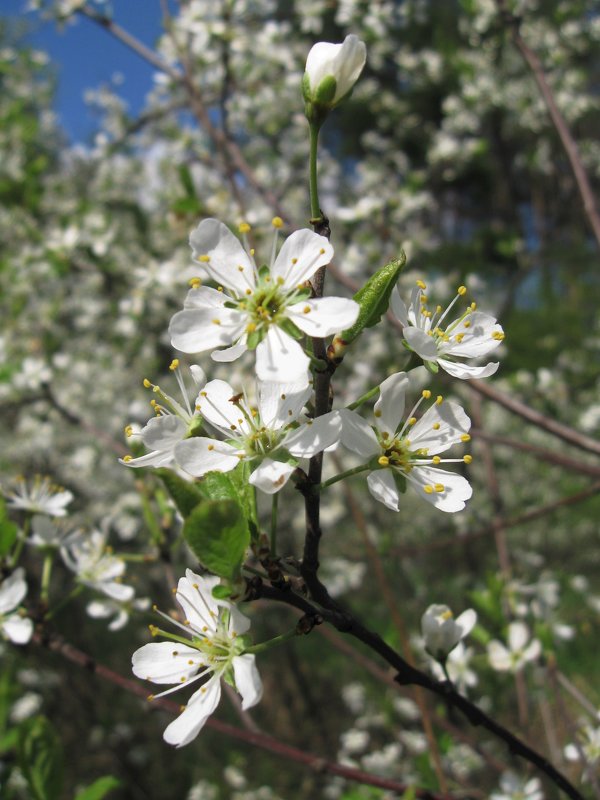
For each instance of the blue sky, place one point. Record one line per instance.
(84, 56)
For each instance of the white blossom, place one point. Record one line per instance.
(519, 652)
(442, 632)
(39, 496)
(268, 434)
(262, 307)
(215, 650)
(470, 336)
(512, 787)
(396, 451)
(95, 566)
(13, 625)
(333, 69)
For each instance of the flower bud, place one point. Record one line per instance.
(442, 632)
(331, 72)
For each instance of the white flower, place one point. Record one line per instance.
(50, 533)
(471, 335)
(518, 653)
(589, 746)
(514, 788)
(267, 308)
(40, 496)
(457, 667)
(410, 451)
(215, 651)
(332, 70)
(268, 434)
(171, 425)
(95, 567)
(103, 609)
(13, 625)
(442, 632)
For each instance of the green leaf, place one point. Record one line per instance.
(374, 298)
(186, 495)
(41, 759)
(99, 789)
(222, 592)
(8, 531)
(218, 535)
(217, 486)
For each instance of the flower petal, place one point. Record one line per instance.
(280, 359)
(166, 662)
(247, 680)
(383, 488)
(200, 455)
(518, 635)
(204, 298)
(271, 476)
(201, 609)
(228, 263)
(190, 722)
(12, 590)
(163, 433)
(281, 403)
(499, 657)
(231, 353)
(389, 408)
(324, 316)
(199, 330)
(475, 332)
(440, 427)
(465, 371)
(399, 307)
(300, 257)
(314, 436)
(457, 490)
(358, 435)
(17, 628)
(423, 344)
(466, 621)
(214, 403)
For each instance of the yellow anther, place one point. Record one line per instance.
(428, 489)
(439, 487)
(240, 268)
(421, 285)
(175, 653)
(306, 310)
(150, 697)
(465, 437)
(436, 426)
(473, 306)
(127, 459)
(294, 261)
(203, 394)
(447, 614)
(436, 460)
(243, 227)
(462, 290)
(412, 421)
(383, 461)
(248, 292)
(250, 327)
(467, 459)
(190, 662)
(283, 396)
(219, 288)
(377, 413)
(426, 393)
(322, 251)
(204, 259)
(277, 222)
(174, 364)
(216, 321)
(210, 447)
(439, 400)
(195, 283)
(147, 384)
(466, 324)
(438, 309)
(459, 337)
(182, 709)
(423, 298)
(498, 336)
(128, 431)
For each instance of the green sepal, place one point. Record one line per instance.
(400, 481)
(185, 495)
(217, 533)
(99, 789)
(431, 366)
(374, 298)
(196, 426)
(326, 91)
(255, 338)
(40, 758)
(306, 87)
(263, 272)
(222, 592)
(291, 329)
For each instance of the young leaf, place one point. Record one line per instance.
(186, 495)
(217, 533)
(98, 789)
(374, 297)
(41, 759)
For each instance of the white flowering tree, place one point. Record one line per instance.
(346, 418)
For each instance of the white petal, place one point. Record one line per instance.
(204, 298)
(198, 374)
(314, 436)
(231, 353)
(228, 262)
(55, 505)
(300, 257)
(196, 331)
(423, 344)
(358, 435)
(247, 680)
(271, 476)
(389, 407)
(157, 458)
(200, 608)
(383, 488)
(17, 628)
(342, 61)
(399, 307)
(452, 423)
(12, 590)
(532, 651)
(190, 722)
(118, 591)
(238, 622)
(163, 433)
(465, 371)
(281, 403)
(280, 359)
(518, 636)
(324, 316)
(214, 403)
(476, 332)
(499, 657)
(200, 455)
(466, 621)
(166, 662)
(457, 490)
